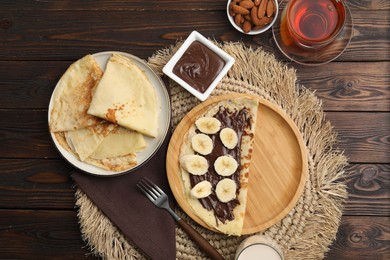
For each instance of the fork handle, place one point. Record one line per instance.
(201, 241)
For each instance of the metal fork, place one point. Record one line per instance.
(160, 199)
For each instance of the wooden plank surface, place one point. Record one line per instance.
(163, 5)
(363, 135)
(28, 34)
(362, 237)
(40, 234)
(36, 184)
(351, 86)
(40, 39)
(368, 188)
(54, 234)
(46, 184)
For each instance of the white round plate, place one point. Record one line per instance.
(153, 144)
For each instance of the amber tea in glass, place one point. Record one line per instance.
(315, 23)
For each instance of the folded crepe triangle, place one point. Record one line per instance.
(125, 96)
(73, 95)
(108, 146)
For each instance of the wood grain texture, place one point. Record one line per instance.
(116, 5)
(363, 5)
(349, 86)
(363, 136)
(27, 34)
(368, 187)
(34, 234)
(45, 234)
(362, 238)
(33, 87)
(36, 184)
(342, 86)
(363, 38)
(141, 5)
(25, 134)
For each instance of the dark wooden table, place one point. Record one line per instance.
(40, 39)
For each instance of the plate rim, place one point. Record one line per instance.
(191, 115)
(165, 102)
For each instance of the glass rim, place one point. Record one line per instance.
(313, 43)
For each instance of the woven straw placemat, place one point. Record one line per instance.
(311, 226)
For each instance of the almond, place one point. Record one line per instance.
(255, 19)
(248, 4)
(265, 20)
(248, 18)
(230, 8)
(237, 19)
(252, 14)
(270, 8)
(262, 8)
(240, 10)
(246, 26)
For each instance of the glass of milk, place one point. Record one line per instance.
(259, 248)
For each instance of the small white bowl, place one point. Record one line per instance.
(253, 32)
(195, 36)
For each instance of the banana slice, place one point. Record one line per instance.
(208, 125)
(202, 144)
(226, 190)
(228, 137)
(194, 164)
(201, 190)
(225, 165)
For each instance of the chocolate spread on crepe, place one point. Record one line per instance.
(227, 217)
(238, 120)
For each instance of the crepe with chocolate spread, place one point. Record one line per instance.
(215, 158)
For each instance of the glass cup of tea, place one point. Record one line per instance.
(314, 23)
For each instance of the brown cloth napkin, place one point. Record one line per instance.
(150, 228)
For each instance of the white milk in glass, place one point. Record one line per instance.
(259, 252)
(259, 247)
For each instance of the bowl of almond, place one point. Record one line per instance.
(252, 16)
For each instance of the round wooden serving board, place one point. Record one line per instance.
(278, 168)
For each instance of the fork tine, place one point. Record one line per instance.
(146, 191)
(152, 187)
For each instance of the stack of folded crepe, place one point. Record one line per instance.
(99, 117)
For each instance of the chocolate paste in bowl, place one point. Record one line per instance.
(198, 66)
